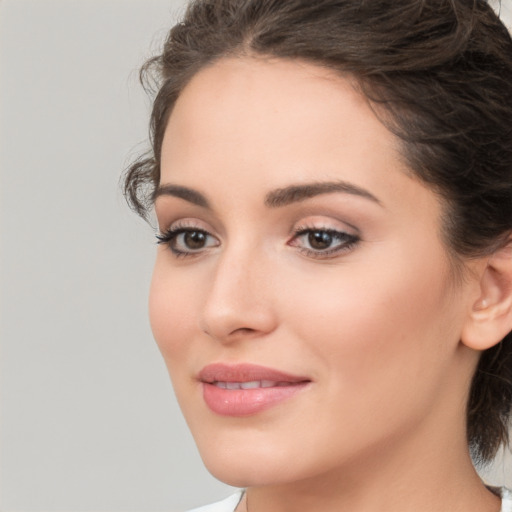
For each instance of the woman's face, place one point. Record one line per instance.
(302, 297)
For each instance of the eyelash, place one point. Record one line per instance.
(347, 241)
(170, 235)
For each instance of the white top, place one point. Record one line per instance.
(506, 502)
(229, 504)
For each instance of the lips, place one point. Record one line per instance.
(245, 389)
(253, 384)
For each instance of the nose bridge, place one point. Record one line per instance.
(239, 294)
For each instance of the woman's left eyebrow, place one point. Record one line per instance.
(301, 192)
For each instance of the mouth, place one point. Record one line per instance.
(253, 384)
(246, 389)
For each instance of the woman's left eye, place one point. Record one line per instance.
(323, 242)
(187, 241)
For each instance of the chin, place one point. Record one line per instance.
(246, 461)
(247, 473)
(237, 476)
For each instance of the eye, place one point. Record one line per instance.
(321, 243)
(320, 240)
(187, 241)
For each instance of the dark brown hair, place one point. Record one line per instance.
(440, 70)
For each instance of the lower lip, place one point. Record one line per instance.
(244, 402)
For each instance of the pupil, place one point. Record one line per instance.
(320, 240)
(195, 239)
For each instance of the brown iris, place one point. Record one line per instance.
(195, 239)
(319, 240)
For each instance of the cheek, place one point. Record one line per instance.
(171, 312)
(376, 339)
(383, 322)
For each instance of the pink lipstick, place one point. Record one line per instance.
(245, 389)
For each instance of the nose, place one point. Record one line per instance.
(239, 302)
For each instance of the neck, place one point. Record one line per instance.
(422, 473)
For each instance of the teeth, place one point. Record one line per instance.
(250, 385)
(254, 384)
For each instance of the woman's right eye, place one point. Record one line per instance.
(187, 241)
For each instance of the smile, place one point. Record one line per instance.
(246, 389)
(251, 385)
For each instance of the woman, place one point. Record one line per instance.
(332, 293)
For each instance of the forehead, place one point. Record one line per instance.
(244, 92)
(244, 126)
(259, 109)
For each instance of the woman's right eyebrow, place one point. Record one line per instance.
(188, 194)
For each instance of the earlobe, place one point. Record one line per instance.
(490, 318)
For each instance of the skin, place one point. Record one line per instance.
(376, 327)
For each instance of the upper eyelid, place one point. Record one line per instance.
(185, 223)
(310, 222)
(178, 230)
(320, 227)
(332, 225)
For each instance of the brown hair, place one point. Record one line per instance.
(440, 70)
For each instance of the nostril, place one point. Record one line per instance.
(243, 330)
(231, 312)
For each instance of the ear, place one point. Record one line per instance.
(490, 318)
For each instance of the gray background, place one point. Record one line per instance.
(88, 421)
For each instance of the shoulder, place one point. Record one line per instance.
(506, 495)
(227, 505)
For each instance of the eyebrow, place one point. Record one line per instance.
(297, 193)
(188, 194)
(276, 198)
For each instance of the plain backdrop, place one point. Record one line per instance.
(88, 420)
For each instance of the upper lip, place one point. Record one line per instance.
(245, 372)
